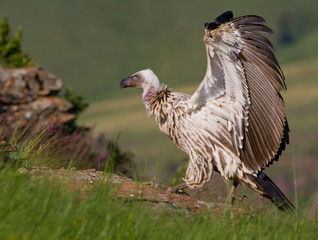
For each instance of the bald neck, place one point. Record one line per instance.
(149, 93)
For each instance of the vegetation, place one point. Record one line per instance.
(44, 209)
(79, 105)
(11, 54)
(53, 146)
(180, 173)
(78, 102)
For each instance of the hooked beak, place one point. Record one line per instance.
(125, 83)
(132, 81)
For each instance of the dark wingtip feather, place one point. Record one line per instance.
(223, 18)
(283, 143)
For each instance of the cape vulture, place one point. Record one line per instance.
(235, 122)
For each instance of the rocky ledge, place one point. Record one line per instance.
(30, 94)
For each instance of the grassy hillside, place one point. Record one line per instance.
(93, 45)
(37, 202)
(42, 209)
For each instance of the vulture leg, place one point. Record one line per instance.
(233, 194)
(177, 188)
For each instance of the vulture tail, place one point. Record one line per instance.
(273, 193)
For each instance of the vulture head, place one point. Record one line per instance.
(146, 80)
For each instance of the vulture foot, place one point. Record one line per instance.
(177, 188)
(240, 198)
(233, 194)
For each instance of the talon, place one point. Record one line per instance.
(233, 195)
(240, 198)
(177, 189)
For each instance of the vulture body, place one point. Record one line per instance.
(235, 122)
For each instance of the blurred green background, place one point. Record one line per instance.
(92, 45)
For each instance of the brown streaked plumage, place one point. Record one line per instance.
(235, 122)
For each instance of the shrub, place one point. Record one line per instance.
(55, 147)
(11, 54)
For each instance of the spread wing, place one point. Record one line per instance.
(241, 66)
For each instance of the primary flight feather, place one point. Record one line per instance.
(235, 122)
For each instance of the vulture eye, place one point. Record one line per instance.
(136, 76)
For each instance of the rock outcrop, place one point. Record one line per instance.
(30, 94)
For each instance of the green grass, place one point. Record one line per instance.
(41, 208)
(31, 209)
